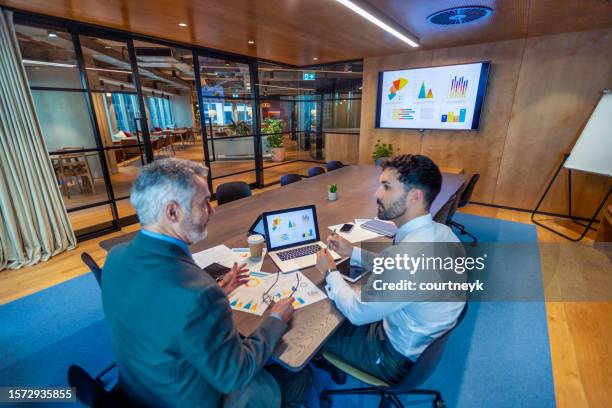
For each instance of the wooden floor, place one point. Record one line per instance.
(579, 332)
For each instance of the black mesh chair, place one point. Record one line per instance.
(315, 171)
(93, 266)
(381, 161)
(90, 391)
(232, 191)
(442, 214)
(418, 374)
(463, 200)
(334, 165)
(289, 178)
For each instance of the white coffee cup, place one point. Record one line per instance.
(256, 244)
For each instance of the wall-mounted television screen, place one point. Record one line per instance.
(447, 97)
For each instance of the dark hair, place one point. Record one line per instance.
(417, 171)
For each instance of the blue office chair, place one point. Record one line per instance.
(315, 171)
(289, 178)
(334, 165)
(232, 191)
(418, 374)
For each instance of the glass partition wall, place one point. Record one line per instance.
(110, 102)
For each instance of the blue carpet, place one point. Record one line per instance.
(498, 357)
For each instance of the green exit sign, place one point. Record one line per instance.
(309, 76)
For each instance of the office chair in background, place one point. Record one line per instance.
(464, 199)
(232, 191)
(418, 374)
(334, 165)
(289, 178)
(315, 171)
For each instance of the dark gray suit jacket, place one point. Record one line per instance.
(172, 329)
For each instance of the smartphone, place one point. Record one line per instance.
(346, 228)
(216, 271)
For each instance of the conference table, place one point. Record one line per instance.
(311, 325)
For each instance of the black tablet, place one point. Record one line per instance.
(350, 272)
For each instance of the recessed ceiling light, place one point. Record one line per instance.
(108, 47)
(182, 24)
(315, 59)
(369, 15)
(52, 34)
(251, 42)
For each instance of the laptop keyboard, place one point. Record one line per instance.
(298, 252)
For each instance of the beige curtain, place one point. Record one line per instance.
(34, 224)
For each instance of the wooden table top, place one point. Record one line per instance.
(312, 325)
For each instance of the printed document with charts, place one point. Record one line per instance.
(251, 297)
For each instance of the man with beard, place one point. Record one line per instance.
(385, 338)
(173, 335)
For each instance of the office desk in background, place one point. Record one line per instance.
(312, 325)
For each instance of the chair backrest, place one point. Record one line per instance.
(88, 390)
(467, 193)
(381, 161)
(334, 165)
(455, 203)
(93, 266)
(428, 360)
(234, 190)
(442, 214)
(315, 171)
(289, 178)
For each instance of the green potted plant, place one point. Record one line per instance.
(272, 130)
(382, 150)
(240, 128)
(332, 192)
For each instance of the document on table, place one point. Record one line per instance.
(249, 297)
(220, 254)
(225, 256)
(357, 234)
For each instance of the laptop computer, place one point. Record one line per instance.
(292, 237)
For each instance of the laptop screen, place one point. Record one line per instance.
(291, 227)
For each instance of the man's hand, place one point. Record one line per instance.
(325, 261)
(339, 245)
(234, 278)
(284, 308)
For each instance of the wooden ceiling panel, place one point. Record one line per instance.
(296, 31)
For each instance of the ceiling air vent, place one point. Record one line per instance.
(459, 15)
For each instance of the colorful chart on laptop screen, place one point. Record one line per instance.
(291, 227)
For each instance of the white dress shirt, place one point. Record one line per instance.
(410, 326)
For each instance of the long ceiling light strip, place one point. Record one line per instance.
(373, 19)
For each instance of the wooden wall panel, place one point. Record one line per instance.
(410, 142)
(480, 151)
(541, 92)
(561, 80)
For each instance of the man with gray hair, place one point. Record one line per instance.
(171, 324)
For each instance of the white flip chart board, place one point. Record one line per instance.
(593, 150)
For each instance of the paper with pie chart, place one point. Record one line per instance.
(430, 98)
(249, 297)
